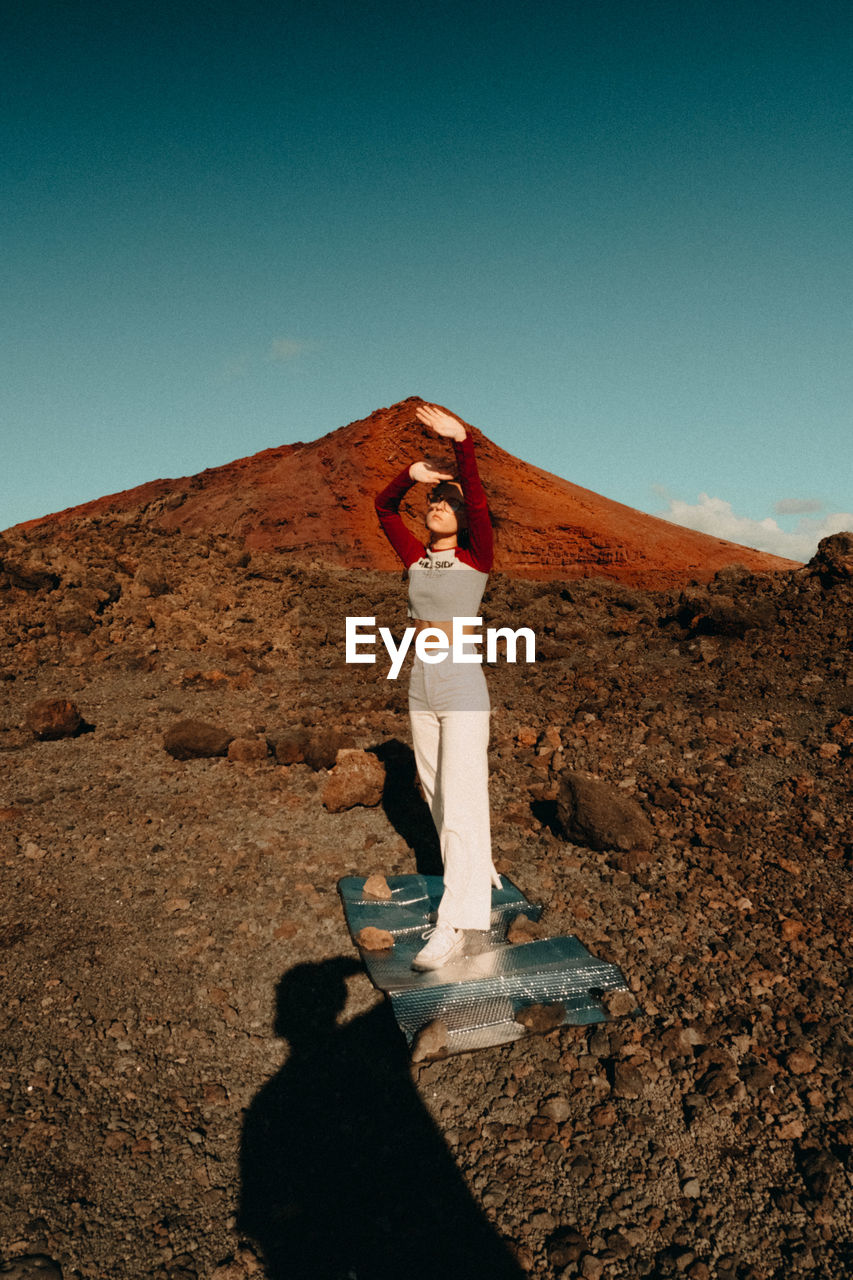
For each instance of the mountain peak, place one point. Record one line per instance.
(314, 502)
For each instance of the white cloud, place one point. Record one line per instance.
(717, 518)
(283, 349)
(279, 351)
(798, 506)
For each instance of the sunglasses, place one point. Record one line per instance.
(446, 492)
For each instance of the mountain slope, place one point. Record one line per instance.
(314, 502)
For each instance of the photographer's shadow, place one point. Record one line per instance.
(344, 1176)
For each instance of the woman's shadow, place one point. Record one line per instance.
(344, 1176)
(405, 807)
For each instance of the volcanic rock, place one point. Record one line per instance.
(430, 1042)
(376, 886)
(597, 815)
(523, 929)
(372, 939)
(26, 575)
(194, 740)
(318, 748)
(833, 560)
(248, 750)
(618, 1003)
(820, 1170)
(53, 718)
(322, 747)
(556, 1108)
(538, 1018)
(357, 778)
(31, 1266)
(150, 579)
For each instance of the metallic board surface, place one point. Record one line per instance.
(478, 995)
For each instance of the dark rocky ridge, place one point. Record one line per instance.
(151, 907)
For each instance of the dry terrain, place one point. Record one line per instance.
(197, 1081)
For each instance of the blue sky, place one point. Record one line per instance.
(615, 236)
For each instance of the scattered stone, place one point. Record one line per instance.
(801, 1062)
(53, 718)
(150, 580)
(556, 1108)
(196, 740)
(605, 1116)
(592, 1268)
(523, 929)
(538, 1018)
(318, 748)
(248, 750)
(322, 746)
(566, 1246)
(618, 1004)
(820, 1170)
(372, 939)
(597, 815)
(289, 746)
(31, 1266)
(542, 1220)
(430, 1042)
(358, 778)
(376, 886)
(627, 1081)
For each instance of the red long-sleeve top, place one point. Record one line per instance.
(479, 553)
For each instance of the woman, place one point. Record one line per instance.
(448, 701)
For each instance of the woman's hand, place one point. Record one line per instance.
(423, 473)
(440, 421)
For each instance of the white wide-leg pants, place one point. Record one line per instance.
(449, 710)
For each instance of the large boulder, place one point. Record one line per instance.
(833, 560)
(318, 748)
(195, 740)
(597, 815)
(53, 718)
(357, 778)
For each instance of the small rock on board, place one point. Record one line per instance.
(372, 939)
(376, 886)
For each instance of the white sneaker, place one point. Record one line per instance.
(445, 942)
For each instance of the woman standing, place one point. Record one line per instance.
(449, 701)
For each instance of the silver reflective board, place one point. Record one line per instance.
(479, 995)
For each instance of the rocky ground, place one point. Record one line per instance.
(195, 1074)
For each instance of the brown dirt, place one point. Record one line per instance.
(175, 963)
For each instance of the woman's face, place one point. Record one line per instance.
(441, 518)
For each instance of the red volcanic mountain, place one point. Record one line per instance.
(315, 502)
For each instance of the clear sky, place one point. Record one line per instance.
(614, 235)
